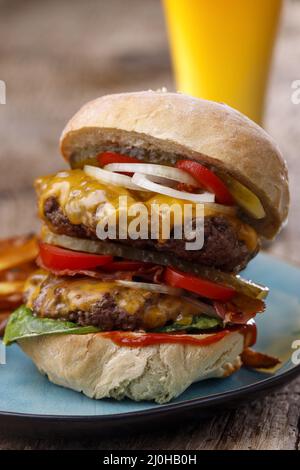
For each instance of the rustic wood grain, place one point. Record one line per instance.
(269, 423)
(53, 58)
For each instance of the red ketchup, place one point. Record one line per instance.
(132, 340)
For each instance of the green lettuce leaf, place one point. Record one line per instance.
(201, 322)
(22, 324)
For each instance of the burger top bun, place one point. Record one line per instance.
(185, 127)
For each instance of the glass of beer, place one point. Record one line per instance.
(222, 49)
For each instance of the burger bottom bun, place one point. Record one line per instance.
(99, 368)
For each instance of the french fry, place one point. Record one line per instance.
(17, 262)
(16, 241)
(255, 359)
(17, 251)
(10, 302)
(10, 287)
(18, 273)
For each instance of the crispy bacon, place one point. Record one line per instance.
(149, 274)
(240, 309)
(258, 360)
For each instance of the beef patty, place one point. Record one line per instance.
(222, 248)
(106, 305)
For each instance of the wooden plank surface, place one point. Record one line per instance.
(53, 58)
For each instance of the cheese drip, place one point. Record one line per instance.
(85, 200)
(57, 297)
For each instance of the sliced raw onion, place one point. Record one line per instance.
(209, 310)
(110, 177)
(220, 209)
(173, 174)
(146, 183)
(159, 288)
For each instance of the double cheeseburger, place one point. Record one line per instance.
(145, 317)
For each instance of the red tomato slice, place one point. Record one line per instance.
(126, 266)
(208, 180)
(200, 286)
(105, 158)
(54, 257)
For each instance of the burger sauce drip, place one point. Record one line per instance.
(149, 339)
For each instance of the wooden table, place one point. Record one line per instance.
(54, 57)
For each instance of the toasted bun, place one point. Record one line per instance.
(96, 366)
(205, 131)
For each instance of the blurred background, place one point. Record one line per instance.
(57, 54)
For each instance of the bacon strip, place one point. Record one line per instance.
(240, 309)
(149, 274)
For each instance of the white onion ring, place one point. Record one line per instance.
(208, 309)
(146, 183)
(221, 209)
(111, 178)
(170, 173)
(159, 288)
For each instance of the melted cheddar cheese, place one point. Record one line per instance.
(84, 200)
(56, 297)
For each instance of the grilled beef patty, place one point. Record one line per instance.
(106, 305)
(106, 315)
(222, 249)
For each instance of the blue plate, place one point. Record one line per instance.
(28, 398)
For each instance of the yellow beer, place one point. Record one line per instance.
(222, 49)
